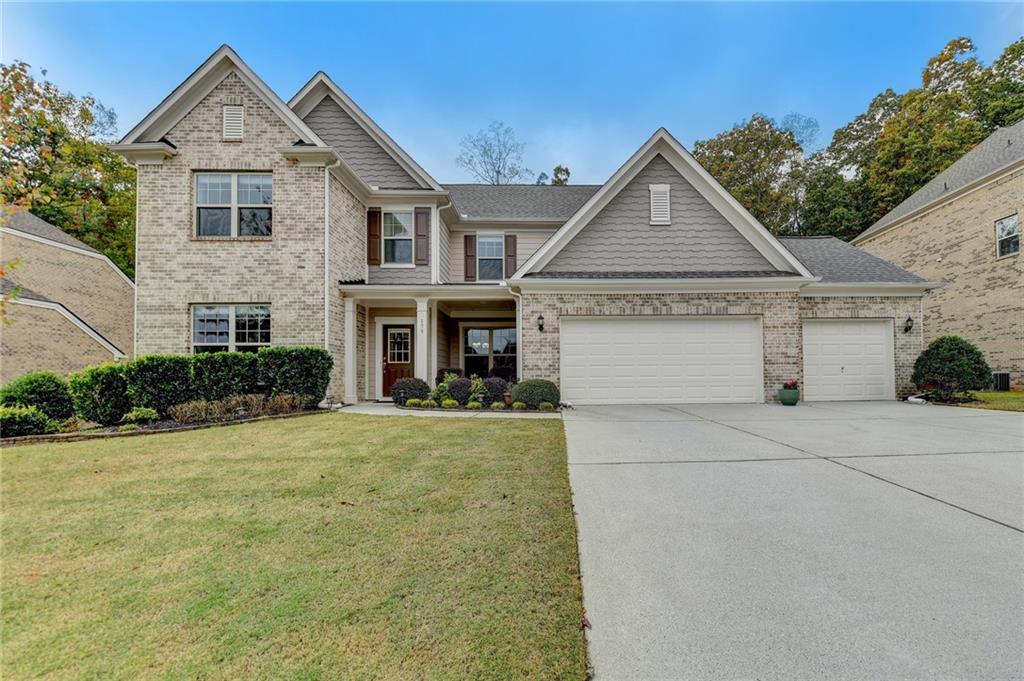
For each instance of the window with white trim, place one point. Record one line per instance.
(396, 233)
(489, 351)
(1008, 236)
(490, 257)
(230, 328)
(234, 117)
(234, 204)
(660, 204)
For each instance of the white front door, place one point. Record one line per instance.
(848, 359)
(661, 360)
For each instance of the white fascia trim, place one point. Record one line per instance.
(820, 289)
(305, 99)
(70, 316)
(199, 84)
(144, 153)
(73, 249)
(309, 156)
(938, 203)
(661, 142)
(740, 284)
(438, 292)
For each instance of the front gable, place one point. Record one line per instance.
(621, 238)
(708, 233)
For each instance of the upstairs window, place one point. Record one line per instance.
(660, 204)
(230, 328)
(397, 237)
(490, 257)
(234, 204)
(1007, 236)
(234, 118)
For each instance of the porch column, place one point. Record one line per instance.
(432, 359)
(420, 365)
(351, 390)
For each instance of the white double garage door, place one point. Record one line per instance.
(679, 360)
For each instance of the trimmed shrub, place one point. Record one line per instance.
(159, 381)
(405, 389)
(42, 389)
(141, 415)
(193, 411)
(286, 403)
(127, 427)
(21, 420)
(496, 388)
(546, 406)
(473, 404)
(302, 370)
(413, 402)
(533, 391)
(497, 406)
(951, 365)
(71, 425)
(519, 406)
(217, 375)
(460, 390)
(450, 404)
(441, 373)
(428, 404)
(100, 393)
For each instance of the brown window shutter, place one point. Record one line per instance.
(373, 236)
(510, 255)
(469, 240)
(422, 235)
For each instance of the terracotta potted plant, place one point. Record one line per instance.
(789, 394)
(508, 399)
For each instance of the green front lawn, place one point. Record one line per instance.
(322, 547)
(986, 399)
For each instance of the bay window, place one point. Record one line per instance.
(234, 204)
(230, 328)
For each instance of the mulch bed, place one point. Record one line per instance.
(147, 429)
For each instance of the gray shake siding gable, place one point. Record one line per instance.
(621, 238)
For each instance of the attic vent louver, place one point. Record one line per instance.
(660, 203)
(234, 116)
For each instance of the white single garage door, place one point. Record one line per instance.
(661, 360)
(848, 359)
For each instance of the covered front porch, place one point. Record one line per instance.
(392, 333)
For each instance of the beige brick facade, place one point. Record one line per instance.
(781, 313)
(983, 296)
(40, 339)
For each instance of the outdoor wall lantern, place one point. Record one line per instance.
(540, 323)
(908, 325)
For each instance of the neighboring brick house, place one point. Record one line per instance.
(73, 307)
(964, 228)
(262, 222)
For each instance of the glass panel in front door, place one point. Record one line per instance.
(398, 346)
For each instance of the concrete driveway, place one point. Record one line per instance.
(825, 541)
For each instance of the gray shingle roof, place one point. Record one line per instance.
(23, 221)
(542, 202)
(7, 287)
(711, 274)
(836, 261)
(998, 150)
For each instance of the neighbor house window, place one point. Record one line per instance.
(397, 237)
(230, 328)
(489, 352)
(490, 257)
(234, 204)
(1008, 236)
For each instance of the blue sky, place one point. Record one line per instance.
(582, 84)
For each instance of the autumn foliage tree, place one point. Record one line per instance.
(55, 164)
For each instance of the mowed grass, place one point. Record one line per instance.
(322, 547)
(990, 399)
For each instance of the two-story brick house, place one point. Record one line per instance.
(964, 228)
(262, 222)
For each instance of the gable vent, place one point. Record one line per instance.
(233, 117)
(660, 202)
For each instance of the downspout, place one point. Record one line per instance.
(519, 330)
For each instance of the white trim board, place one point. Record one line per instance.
(67, 247)
(321, 85)
(71, 317)
(662, 143)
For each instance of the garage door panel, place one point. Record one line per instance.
(849, 359)
(661, 360)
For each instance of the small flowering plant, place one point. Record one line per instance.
(791, 385)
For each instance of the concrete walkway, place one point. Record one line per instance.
(824, 541)
(387, 409)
